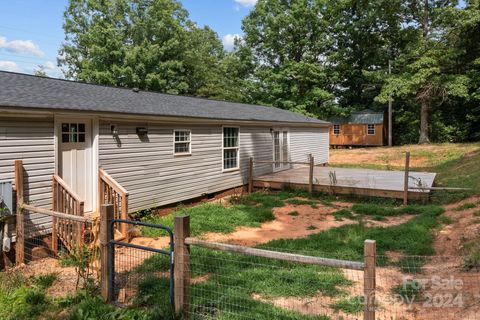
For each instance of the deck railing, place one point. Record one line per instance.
(310, 164)
(65, 200)
(111, 192)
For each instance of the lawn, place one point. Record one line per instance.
(237, 286)
(234, 280)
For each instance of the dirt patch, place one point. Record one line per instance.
(285, 226)
(452, 238)
(66, 282)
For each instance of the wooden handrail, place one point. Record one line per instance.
(55, 214)
(112, 182)
(111, 192)
(273, 162)
(67, 188)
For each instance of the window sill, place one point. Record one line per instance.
(231, 170)
(182, 154)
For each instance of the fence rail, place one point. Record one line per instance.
(183, 241)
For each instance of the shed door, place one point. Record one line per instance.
(75, 158)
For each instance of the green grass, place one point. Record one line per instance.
(293, 213)
(465, 206)
(414, 237)
(445, 220)
(249, 210)
(476, 213)
(372, 209)
(297, 202)
(409, 290)
(343, 214)
(463, 173)
(311, 227)
(352, 305)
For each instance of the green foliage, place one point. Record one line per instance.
(445, 220)
(214, 217)
(410, 290)
(297, 202)
(380, 210)
(352, 305)
(465, 206)
(293, 213)
(343, 214)
(44, 281)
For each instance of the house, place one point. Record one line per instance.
(363, 128)
(161, 148)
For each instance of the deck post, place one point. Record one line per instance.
(310, 174)
(106, 252)
(182, 265)
(250, 176)
(369, 280)
(405, 183)
(20, 228)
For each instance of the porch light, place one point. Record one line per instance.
(142, 131)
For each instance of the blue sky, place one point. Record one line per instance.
(31, 30)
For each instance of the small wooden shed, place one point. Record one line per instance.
(362, 128)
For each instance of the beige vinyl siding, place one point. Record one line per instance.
(32, 142)
(154, 176)
(304, 141)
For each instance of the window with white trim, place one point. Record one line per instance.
(336, 129)
(231, 148)
(182, 142)
(370, 129)
(73, 132)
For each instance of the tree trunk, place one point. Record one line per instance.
(423, 122)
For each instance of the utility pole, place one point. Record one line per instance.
(390, 124)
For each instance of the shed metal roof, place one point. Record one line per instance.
(21, 90)
(361, 117)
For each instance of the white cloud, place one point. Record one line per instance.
(9, 66)
(246, 3)
(21, 46)
(229, 41)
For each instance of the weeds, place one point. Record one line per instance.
(465, 206)
(293, 213)
(352, 305)
(343, 214)
(409, 290)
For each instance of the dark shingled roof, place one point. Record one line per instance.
(361, 117)
(21, 90)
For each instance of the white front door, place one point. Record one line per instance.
(280, 150)
(75, 157)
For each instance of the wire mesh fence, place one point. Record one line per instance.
(142, 268)
(42, 240)
(236, 286)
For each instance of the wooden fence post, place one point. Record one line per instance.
(124, 215)
(310, 175)
(54, 219)
(182, 265)
(369, 280)
(106, 252)
(405, 182)
(250, 176)
(20, 229)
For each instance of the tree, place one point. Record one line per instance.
(426, 69)
(40, 71)
(148, 44)
(286, 41)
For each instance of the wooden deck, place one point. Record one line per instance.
(363, 182)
